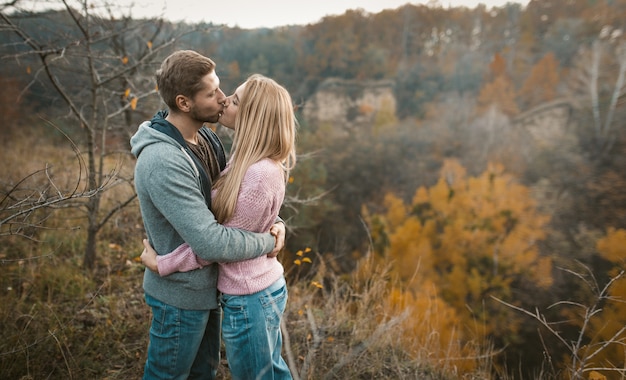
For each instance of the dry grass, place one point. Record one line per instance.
(58, 322)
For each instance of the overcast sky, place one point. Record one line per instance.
(267, 13)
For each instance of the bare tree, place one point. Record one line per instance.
(26, 204)
(100, 65)
(598, 84)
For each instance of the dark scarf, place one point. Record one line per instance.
(159, 123)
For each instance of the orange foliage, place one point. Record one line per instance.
(470, 238)
(613, 246)
(497, 67)
(499, 90)
(429, 325)
(499, 93)
(606, 325)
(433, 324)
(541, 84)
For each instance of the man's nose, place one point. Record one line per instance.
(221, 97)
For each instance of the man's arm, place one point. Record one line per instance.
(175, 192)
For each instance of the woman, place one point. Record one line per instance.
(248, 195)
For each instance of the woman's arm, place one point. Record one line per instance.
(260, 198)
(182, 259)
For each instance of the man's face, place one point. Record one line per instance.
(207, 105)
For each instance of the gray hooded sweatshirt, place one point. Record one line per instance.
(174, 211)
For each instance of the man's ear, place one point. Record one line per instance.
(183, 103)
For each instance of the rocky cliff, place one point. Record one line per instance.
(350, 102)
(353, 103)
(549, 124)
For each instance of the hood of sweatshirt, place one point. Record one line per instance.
(159, 130)
(156, 130)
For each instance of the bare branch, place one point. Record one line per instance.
(581, 357)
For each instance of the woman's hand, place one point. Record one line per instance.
(149, 256)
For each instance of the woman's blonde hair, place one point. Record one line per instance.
(265, 127)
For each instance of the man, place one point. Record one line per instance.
(177, 159)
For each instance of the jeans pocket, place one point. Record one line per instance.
(274, 306)
(165, 319)
(232, 303)
(235, 315)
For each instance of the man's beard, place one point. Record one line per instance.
(204, 118)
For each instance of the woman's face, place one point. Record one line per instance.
(231, 107)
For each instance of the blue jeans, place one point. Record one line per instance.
(184, 344)
(251, 333)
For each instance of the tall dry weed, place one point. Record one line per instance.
(342, 327)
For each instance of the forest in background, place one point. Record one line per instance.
(471, 213)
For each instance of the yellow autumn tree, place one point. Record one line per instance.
(608, 329)
(429, 325)
(469, 238)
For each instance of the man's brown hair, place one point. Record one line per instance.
(181, 73)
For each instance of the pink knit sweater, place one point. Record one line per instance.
(260, 197)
